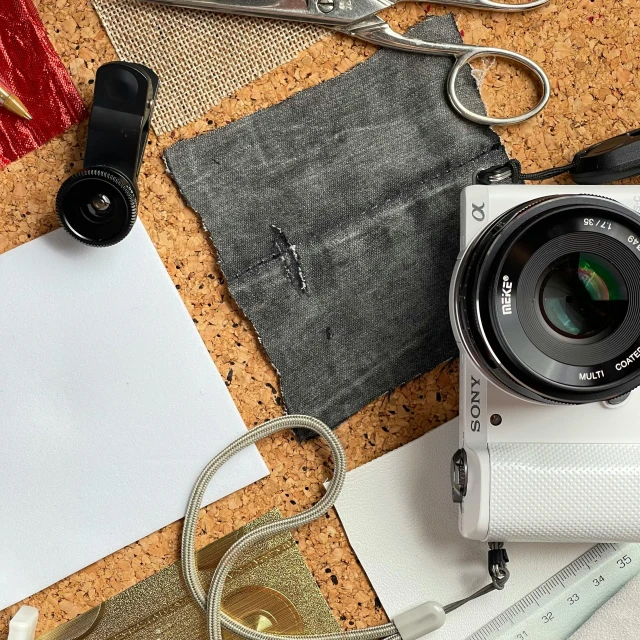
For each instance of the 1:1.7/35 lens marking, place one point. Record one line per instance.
(603, 224)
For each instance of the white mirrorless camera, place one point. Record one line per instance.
(545, 305)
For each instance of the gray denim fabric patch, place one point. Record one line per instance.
(335, 215)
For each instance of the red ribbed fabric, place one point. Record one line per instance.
(30, 68)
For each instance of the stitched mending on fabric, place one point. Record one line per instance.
(256, 266)
(496, 146)
(290, 258)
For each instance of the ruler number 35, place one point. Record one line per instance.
(624, 561)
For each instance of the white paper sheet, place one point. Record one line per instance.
(110, 406)
(402, 524)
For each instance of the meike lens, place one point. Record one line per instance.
(547, 300)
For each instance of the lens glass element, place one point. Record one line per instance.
(582, 296)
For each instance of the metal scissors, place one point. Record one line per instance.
(358, 18)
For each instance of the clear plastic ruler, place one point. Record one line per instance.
(559, 606)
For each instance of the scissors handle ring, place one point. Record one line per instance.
(482, 52)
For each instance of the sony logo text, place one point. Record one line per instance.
(475, 410)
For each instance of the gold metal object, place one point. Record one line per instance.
(12, 103)
(262, 609)
(270, 589)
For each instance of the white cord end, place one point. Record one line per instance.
(23, 624)
(419, 621)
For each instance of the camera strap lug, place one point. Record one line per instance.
(498, 560)
(613, 159)
(498, 572)
(511, 172)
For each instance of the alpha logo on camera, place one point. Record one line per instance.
(477, 211)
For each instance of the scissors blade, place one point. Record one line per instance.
(284, 9)
(332, 13)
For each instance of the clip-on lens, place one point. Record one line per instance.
(99, 204)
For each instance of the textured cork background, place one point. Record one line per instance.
(589, 49)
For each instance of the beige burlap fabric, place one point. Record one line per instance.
(201, 57)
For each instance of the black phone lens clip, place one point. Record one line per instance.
(99, 204)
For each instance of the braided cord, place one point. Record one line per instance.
(211, 604)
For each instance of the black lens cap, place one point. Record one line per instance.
(614, 159)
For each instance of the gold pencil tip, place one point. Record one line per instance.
(14, 105)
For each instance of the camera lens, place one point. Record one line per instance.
(546, 301)
(583, 295)
(97, 206)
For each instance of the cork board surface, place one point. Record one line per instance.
(589, 50)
